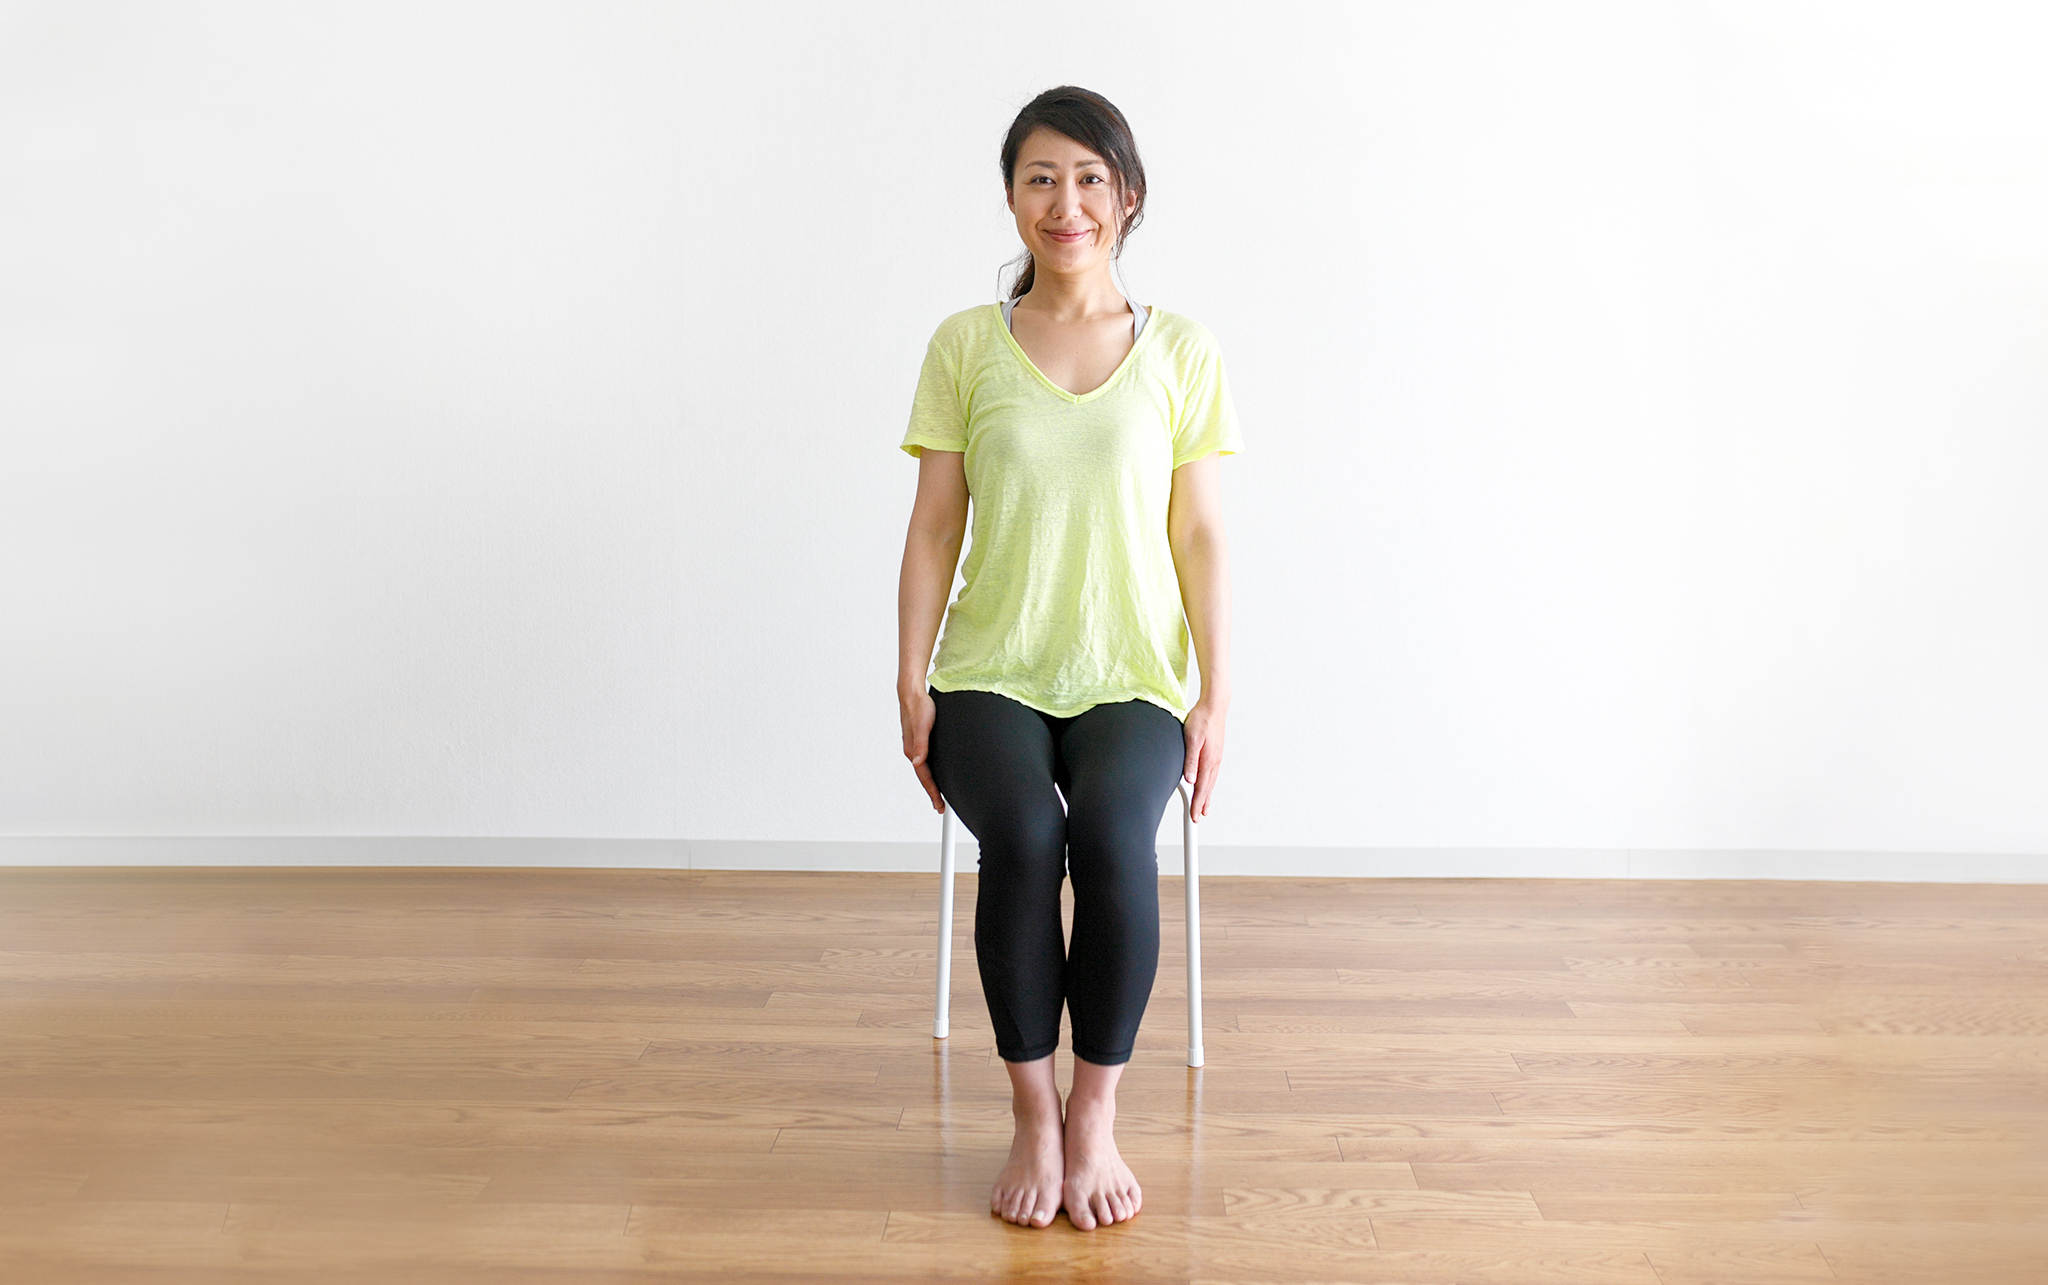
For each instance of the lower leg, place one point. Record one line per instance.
(1098, 1187)
(1027, 1191)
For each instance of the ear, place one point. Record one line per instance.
(1009, 198)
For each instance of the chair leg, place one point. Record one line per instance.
(941, 1025)
(1191, 884)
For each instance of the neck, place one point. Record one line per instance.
(1075, 297)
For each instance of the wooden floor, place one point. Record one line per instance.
(449, 1077)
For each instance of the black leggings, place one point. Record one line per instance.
(997, 762)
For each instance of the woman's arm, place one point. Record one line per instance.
(931, 554)
(1194, 530)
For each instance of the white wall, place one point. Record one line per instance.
(481, 420)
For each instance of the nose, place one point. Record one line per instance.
(1069, 202)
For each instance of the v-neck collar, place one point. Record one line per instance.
(1151, 324)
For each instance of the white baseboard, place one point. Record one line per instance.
(1221, 859)
(1862, 867)
(344, 850)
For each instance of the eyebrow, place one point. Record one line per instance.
(1053, 165)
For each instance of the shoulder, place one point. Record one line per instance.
(1187, 342)
(1182, 333)
(966, 328)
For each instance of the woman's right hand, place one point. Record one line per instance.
(918, 711)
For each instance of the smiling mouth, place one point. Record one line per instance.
(1068, 238)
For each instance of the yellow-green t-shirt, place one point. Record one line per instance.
(1070, 598)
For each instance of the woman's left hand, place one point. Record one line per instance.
(1203, 732)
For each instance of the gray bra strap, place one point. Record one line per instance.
(1139, 316)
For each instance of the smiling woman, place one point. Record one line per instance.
(1072, 134)
(1084, 431)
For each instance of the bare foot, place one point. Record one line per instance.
(1099, 1188)
(1027, 1191)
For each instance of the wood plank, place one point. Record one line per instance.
(335, 1077)
(1345, 1203)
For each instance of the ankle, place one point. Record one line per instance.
(1092, 1106)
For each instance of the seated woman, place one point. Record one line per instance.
(1086, 431)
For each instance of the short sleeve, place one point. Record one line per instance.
(937, 417)
(1207, 423)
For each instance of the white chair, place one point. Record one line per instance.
(941, 1027)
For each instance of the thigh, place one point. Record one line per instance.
(1122, 762)
(993, 758)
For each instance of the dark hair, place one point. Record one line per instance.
(1094, 122)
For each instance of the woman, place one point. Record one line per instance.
(1056, 720)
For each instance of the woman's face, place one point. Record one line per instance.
(1064, 197)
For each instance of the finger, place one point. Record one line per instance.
(1189, 771)
(931, 787)
(1212, 767)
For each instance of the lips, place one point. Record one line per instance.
(1068, 238)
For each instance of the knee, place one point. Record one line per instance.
(1022, 842)
(1113, 837)
(1124, 867)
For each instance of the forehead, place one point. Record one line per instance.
(1046, 147)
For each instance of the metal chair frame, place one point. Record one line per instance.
(948, 830)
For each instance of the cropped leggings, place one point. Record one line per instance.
(998, 761)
